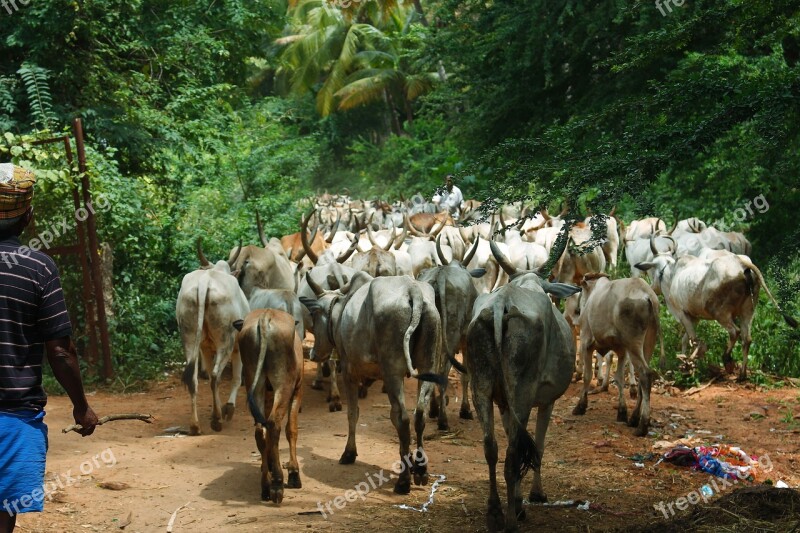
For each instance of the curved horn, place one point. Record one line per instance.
(335, 227)
(203, 261)
(439, 251)
(613, 210)
(411, 227)
(471, 253)
(674, 242)
(653, 245)
(502, 260)
(545, 215)
(674, 225)
(319, 291)
(346, 255)
(401, 239)
(438, 230)
(304, 238)
(389, 239)
(261, 230)
(232, 261)
(565, 210)
(372, 237)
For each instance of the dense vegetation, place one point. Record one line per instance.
(197, 113)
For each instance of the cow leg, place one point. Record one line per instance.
(236, 382)
(351, 389)
(402, 423)
(515, 511)
(334, 399)
(465, 412)
(317, 383)
(619, 378)
(586, 355)
(640, 419)
(604, 369)
(481, 397)
(261, 443)
(733, 336)
(279, 407)
(194, 426)
(542, 423)
(426, 391)
(633, 386)
(436, 410)
(291, 436)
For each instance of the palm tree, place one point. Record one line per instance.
(352, 56)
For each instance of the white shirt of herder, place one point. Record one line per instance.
(450, 200)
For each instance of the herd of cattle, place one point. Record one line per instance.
(395, 291)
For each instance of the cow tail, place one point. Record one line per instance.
(416, 315)
(441, 286)
(524, 444)
(190, 372)
(748, 271)
(654, 306)
(259, 383)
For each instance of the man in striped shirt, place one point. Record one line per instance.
(33, 321)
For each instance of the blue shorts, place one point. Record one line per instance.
(23, 450)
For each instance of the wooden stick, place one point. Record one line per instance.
(110, 418)
(174, 516)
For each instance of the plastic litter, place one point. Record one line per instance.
(424, 508)
(728, 462)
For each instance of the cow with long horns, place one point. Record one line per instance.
(209, 302)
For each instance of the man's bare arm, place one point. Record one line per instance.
(64, 361)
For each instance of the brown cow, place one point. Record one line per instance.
(272, 355)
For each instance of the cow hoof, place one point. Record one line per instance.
(202, 374)
(634, 391)
(216, 425)
(347, 458)
(421, 478)
(466, 414)
(276, 493)
(433, 412)
(326, 370)
(265, 493)
(194, 430)
(634, 421)
(535, 497)
(316, 385)
(294, 481)
(520, 510)
(227, 411)
(362, 391)
(622, 415)
(403, 486)
(335, 405)
(598, 390)
(495, 521)
(579, 410)
(730, 367)
(640, 432)
(578, 377)
(443, 426)
(742, 378)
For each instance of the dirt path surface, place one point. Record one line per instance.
(216, 475)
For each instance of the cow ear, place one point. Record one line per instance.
(310, 303)
(560, 290)
(238, 324)
(477, 272)
(647, 265)
(236, 273)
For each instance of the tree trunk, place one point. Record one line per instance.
(418, 6)
(393, 113)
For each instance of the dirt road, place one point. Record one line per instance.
(216, 475)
